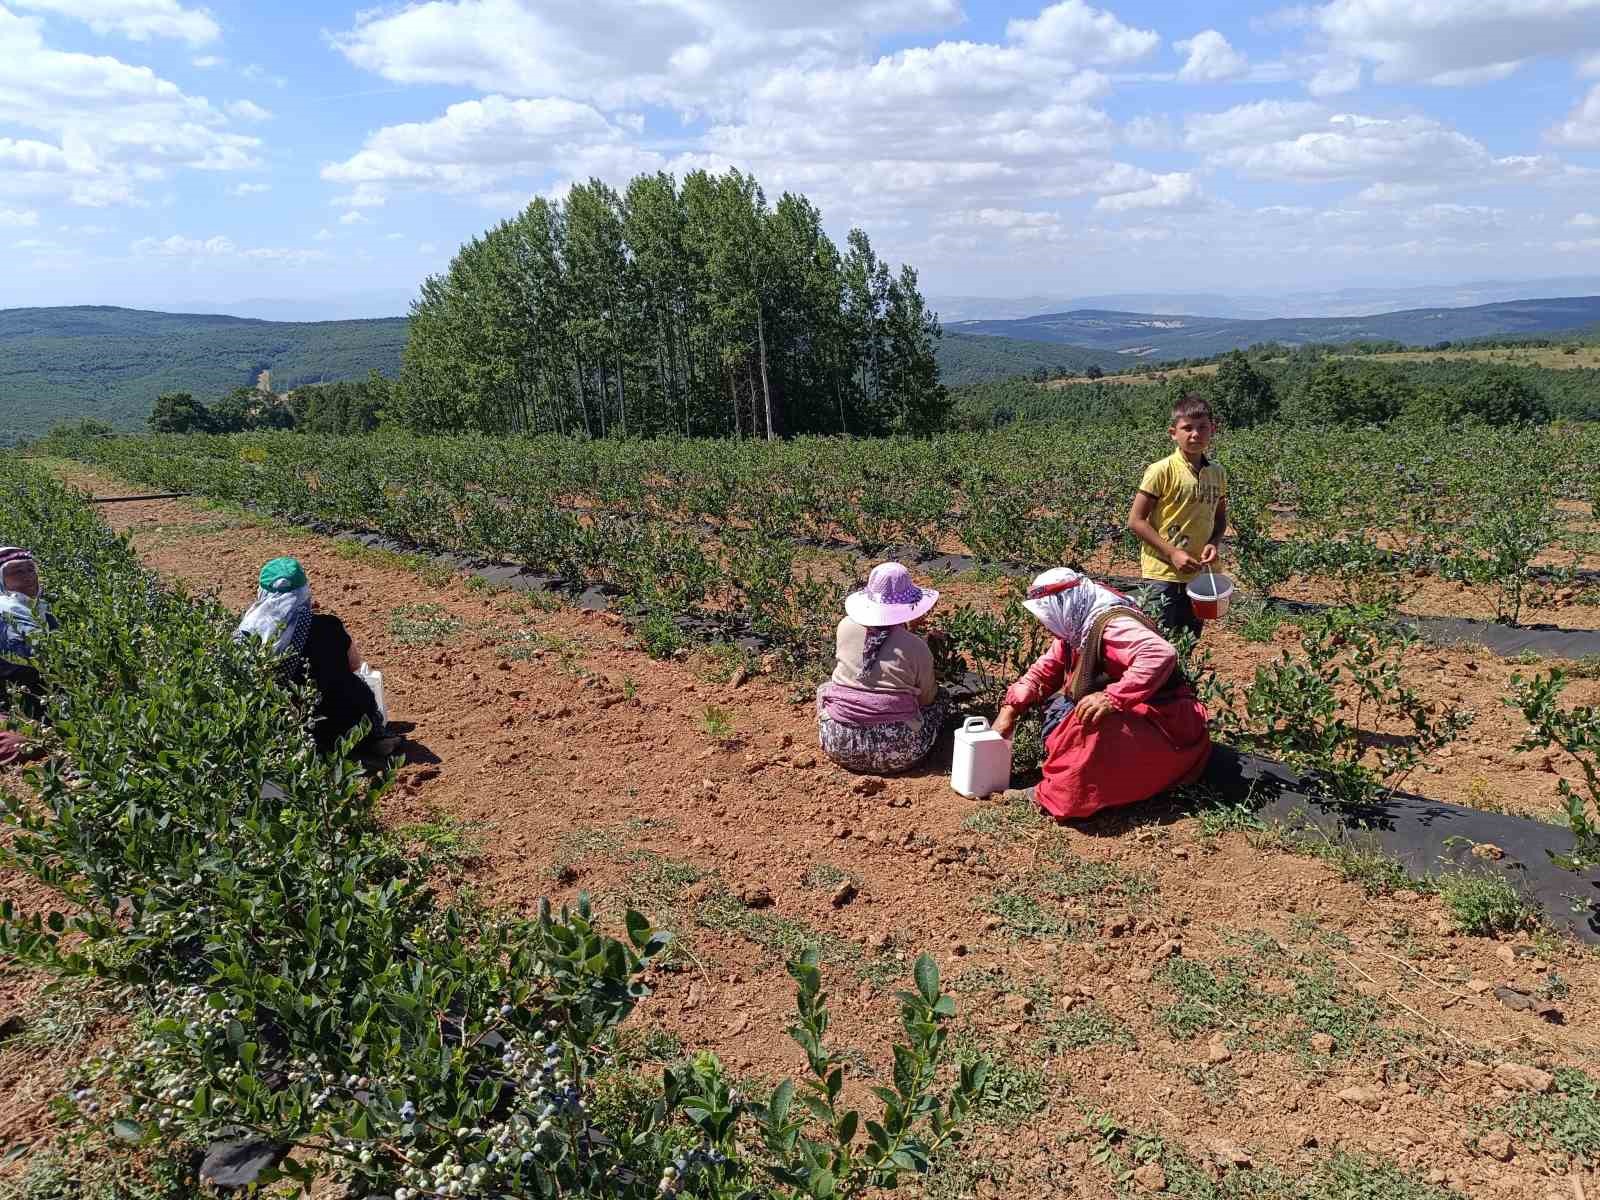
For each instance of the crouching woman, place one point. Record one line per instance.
(316, 647)
(881, 712)
(24, 618)
(1121, 722)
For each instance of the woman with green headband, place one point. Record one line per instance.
(317, 647)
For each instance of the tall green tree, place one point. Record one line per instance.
(695, 309)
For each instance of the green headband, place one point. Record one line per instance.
(283, 575)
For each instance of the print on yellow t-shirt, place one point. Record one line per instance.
(1185, 510)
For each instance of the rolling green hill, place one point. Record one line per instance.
(111, 363)
(973, 358)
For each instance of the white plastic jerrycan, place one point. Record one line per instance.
(981, 764)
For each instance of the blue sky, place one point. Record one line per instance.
(161, 153)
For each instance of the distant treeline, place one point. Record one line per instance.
(1307, 386)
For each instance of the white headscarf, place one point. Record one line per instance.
(1067, 603)
(21, 616)
(281, 619)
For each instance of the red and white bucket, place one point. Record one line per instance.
(1209, 595)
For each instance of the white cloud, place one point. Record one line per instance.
(1150, 133)
(1584, 220)
(221, 249)
(249, 189)
(1456, 42)
(112, 127)
(613, 52)
(322, 235)
(206, 61)
(474, 143)
(18, 218)
(1385, 194)
(1581, 246)
(178, 246)
(1252, 124)
(255, 72)
(1456, 218)
(1353, 147)
(427, 248)
(1210, 59)
(1178, 191)
(1082, 35)
(365, 195)
(248, 110)
(354, 217)
(1335, 78)
(140, 20)
(1581, 129)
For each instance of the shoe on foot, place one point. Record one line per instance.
(382, 747)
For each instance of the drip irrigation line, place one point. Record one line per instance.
(127, 499)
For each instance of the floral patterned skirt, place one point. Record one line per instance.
(879, 749)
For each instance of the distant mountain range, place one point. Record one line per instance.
(1160, 336)
(1249, 306)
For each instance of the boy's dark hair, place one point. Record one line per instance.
(1191, 404)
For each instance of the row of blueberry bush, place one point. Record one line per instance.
(304, 1006)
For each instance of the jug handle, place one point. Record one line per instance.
(975, 725)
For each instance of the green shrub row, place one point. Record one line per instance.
(304, 1005)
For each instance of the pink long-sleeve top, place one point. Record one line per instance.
(1147, 660)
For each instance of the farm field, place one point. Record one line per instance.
(1555, 358)
(1164, 986)
(1487, 524)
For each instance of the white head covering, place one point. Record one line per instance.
(21, 616)
(1067, 603)
(281, 619)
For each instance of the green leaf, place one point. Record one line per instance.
(638, 928)
(782, 1098)
(926, 973)
(128, 1131)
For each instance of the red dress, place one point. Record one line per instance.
(1156, 739)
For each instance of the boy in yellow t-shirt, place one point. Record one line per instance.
(1180, 511)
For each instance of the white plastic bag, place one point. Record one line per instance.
(374, 680)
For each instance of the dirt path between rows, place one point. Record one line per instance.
(558, 757)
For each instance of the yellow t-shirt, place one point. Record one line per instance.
(1185, 510)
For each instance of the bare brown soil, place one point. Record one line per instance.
(576, 762)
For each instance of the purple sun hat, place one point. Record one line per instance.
(890, 598)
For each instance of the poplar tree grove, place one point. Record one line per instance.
(692, 309)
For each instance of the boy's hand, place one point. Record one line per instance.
(1185, 563)
(1208, 555)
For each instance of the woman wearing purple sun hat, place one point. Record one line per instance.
(881, 711)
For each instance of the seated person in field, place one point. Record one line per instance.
(1121, 723)
(316, 648)
(881, 711)
(24, 616)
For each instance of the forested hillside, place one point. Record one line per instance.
(1156, 336)
(111, 363)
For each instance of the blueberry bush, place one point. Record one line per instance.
(303, 1007)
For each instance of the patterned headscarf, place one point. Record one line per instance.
(1067, 603)
(281, 615)
(10, 556)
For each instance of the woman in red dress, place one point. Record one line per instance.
(1122, 723)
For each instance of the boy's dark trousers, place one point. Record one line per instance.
(1173, 608)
